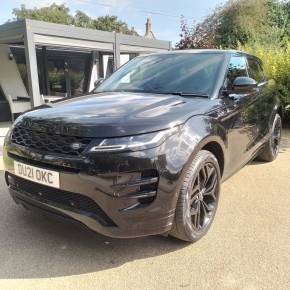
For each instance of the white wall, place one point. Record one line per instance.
(11, 81)
(124, 58)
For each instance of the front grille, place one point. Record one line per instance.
(58, 167)
(71, 200)
(49, 142)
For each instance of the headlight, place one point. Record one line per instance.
(133, 143)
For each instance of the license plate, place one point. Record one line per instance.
(36, 174)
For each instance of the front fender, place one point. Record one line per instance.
(176, 154)
(203, 130)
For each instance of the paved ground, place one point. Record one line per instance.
(248, 246)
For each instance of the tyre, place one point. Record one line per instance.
(198, 198)
(271, 150)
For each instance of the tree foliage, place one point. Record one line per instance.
(200, 35)
(54, 13)
(238, 22)
(111, 23)
(61, 14)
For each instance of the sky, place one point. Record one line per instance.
(164, 14)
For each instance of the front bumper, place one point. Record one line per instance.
(118, 194)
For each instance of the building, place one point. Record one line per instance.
(41, 62)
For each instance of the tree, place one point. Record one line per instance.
(61, 14)
(196, 36)
(238, 22)
(112, 23)
(279, 18)
(81, 19)
(54, 13)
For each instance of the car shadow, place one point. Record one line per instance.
(35, 246)
(285, 141)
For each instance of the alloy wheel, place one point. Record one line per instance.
(276, 137)
(203, 196)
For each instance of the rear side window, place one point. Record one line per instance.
(255, 70)
(237, 68)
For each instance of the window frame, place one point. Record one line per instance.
(259, 63)
(238, 54)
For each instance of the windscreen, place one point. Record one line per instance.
(190, 73)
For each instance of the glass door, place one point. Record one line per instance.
(63, 73)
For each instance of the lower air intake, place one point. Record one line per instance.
(69, 200)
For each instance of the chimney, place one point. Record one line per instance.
(149, 33)
(148, 26)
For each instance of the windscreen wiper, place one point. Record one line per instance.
(197, 95)
(177, 93)
(182, 94)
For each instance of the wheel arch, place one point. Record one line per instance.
(280, 111)
(216, 149)
(211, 135)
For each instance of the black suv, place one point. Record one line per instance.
(146, 152)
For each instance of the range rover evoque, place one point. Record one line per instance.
(145, 152)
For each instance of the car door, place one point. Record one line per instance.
(266, 102)
(242, 115)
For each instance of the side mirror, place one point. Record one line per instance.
(244, 84)
(98, 82)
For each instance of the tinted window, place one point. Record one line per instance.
(2, 97)
(237, 68)
(182, 72)
(255, 70)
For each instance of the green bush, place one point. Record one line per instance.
(276, 62)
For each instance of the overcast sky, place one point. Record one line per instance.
(165, 15)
